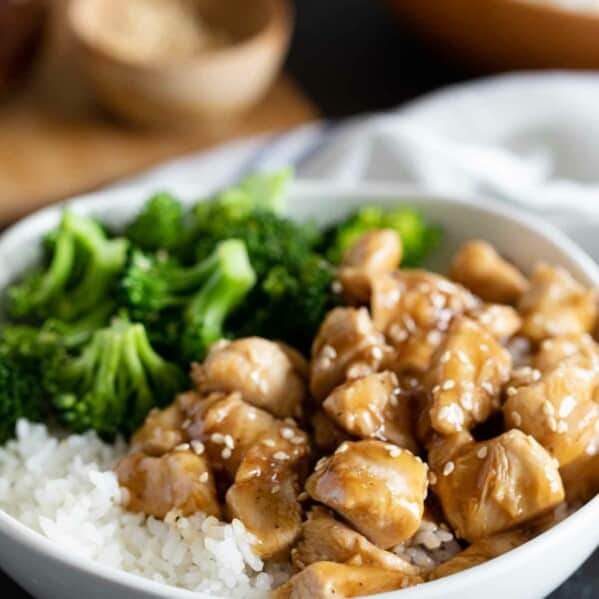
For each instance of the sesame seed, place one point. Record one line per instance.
(562, 426)
(488, 387)
(482, 452)
(182, 447)
(394, 451)
(303, 496)
(328, 352)
(448, 468)
(287, 433)
(343, 447)
(567, 404)
(432, 478)
(321, 463)
(186, 423)
(204, 477)
(217, 438)
(434, 337)
(462, 357)
(516, 418)
(290, 421)
(511, 391)
(447, 385)
(197, 447)
(275, 489)
(268, 442)
(298, 440)
(229, 441)
(280, 455)
(226, 453)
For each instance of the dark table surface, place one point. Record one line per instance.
(350, 57)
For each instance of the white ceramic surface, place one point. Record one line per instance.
(528, 572)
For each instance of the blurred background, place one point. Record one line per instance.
(92, 91)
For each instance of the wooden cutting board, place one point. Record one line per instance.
(56, 142)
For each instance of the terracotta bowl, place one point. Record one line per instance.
(512, 34)
(212, 84)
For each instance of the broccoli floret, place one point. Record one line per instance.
(21, 394)
(159, 225)
(289, 303)
(78, 277)
(75, 333)
(111, 385)
(223, 216)
(417, 235)
(32, 297)
(157, 290)
(105, 259)
(293, 291)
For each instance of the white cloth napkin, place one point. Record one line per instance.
(528, 139)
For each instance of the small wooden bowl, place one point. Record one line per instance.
(507, 34)
(211, 85)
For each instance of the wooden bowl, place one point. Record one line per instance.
(214, 84)
(507, 34)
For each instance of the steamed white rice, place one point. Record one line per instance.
(66, 490)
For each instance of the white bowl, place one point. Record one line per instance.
(528, 572)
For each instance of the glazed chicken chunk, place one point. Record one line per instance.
(489, 487)
(581, 477)
(503, 322)
(328, 580)
(558, 410)
(161, 432)
(554, 351)
(372, 407)
(378, 487)
(376, 253)
(265, 493)
(259, 369)
(326, 539)
(230, 426)
(478, 267)
(347, 346)
(555, 304)
(414, 308)
(180, 480)
(481, 551)
(465, 379)
(326, 435)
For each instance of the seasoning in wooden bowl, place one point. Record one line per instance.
(179, 62)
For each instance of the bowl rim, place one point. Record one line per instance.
(36, 542)
(556, 10)
(278, 27)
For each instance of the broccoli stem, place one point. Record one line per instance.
(134, 362)
(40, 288)
(114, 381)
(73, 334)
(230, 281)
